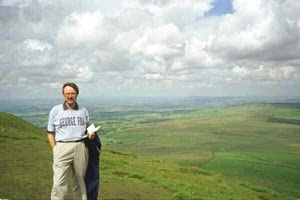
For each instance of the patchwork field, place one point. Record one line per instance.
(238, 142)
(26, 172)
(229, 144)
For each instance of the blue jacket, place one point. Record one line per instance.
(92, 176)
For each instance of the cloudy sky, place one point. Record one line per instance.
(149, 47)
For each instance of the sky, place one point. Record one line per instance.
(117, 48)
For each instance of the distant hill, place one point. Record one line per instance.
(26, 172)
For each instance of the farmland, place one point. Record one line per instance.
(237, 141)
(255, 142)
(26, 161)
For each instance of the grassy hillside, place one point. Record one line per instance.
(25, 172)
(238, 142)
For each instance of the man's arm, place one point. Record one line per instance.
(51, 139)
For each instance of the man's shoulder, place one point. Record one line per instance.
(81, 108)
(57, 107)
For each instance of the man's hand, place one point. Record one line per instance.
(51, 139)
(91, 136)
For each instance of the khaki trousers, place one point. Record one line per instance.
(66, 156)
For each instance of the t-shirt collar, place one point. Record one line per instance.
(66, 107)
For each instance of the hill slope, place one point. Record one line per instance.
(26, 172)
(237, 141)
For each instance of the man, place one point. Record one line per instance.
(66, 133)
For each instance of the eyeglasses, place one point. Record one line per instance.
(70, 94)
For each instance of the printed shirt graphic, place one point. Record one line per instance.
(68, 124)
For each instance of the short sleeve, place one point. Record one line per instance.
(51, 127)
(87, 118)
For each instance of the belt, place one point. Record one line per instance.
(70, 141)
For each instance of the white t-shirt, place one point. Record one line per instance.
(68, 124)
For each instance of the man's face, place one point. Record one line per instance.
(70, 95)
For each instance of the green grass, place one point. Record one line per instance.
(26, 172)
(25, 160)
(238, 142)
(180, 182)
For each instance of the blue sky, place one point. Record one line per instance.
(221, 7)
(149, 48)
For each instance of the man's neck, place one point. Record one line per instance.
(70, 106)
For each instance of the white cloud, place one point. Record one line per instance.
(285, 73)
(83, 29)
(118, 45)
(37, 45)
(72, 72)
(178, 66)
(197, 56)
(16, 3)
(155, 66)
(159, 41)
(84, 74)
(258, 31)
(179, 12)
(267, 73)
(153, 76)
